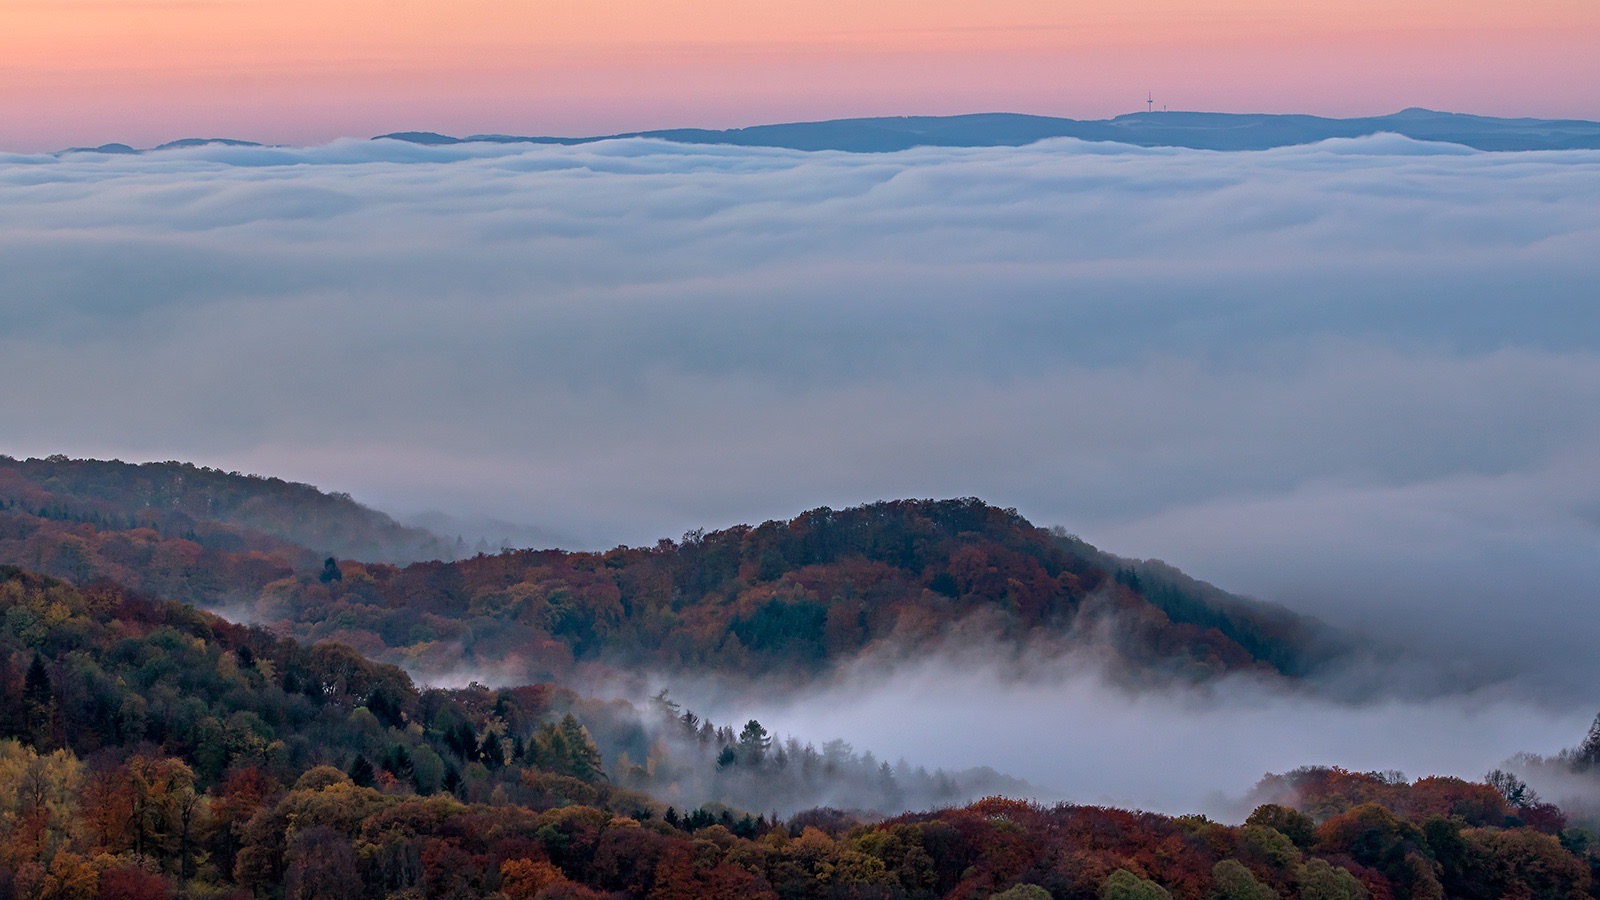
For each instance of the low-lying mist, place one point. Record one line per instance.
(1075, 732)
(945, 718)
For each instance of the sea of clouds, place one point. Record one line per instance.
(1361, 377)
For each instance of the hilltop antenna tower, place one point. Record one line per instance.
(1151, 100)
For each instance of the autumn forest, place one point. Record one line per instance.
(225, 685)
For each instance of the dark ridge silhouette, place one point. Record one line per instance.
(204, 142)
(183, 143)
(1196, 130)
(112, 149)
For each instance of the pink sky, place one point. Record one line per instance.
(146, 71)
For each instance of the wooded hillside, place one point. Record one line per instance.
(783, 598)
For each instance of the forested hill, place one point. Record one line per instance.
(106, 670)
(224, 509)
(152, 750)
(794, 597)
(149, 750)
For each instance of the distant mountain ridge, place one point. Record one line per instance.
(181, 144)
(1194, 130)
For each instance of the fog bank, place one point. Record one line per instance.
(1077, 737)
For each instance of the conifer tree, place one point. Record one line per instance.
(754, 742)
(583, 755)
(491, 751)
(361, 772)
(1588, 755)
(37, 702)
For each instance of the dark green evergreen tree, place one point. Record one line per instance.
(361, 772)
(330, 571)
(491, 751)
(754, 741)
(38, 702)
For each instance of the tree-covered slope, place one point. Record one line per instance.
(150, 750)
(224, 509)
(144, 744)
(790, 598)
(797, 597)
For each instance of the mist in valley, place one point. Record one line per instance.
(1080, 738)
(1054, 723)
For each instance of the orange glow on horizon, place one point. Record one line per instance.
(86, 71)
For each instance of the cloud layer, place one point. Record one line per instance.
(1359, 377)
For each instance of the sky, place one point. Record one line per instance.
(86, 72)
